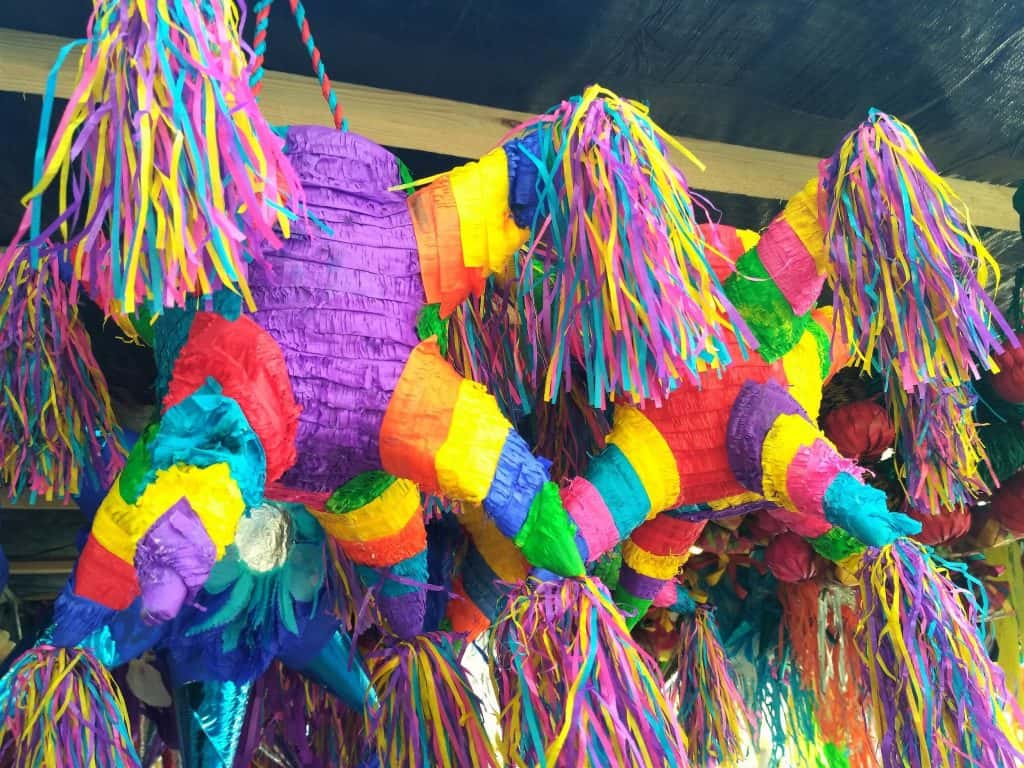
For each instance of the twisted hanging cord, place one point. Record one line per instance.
(259, 44)
(299, 12)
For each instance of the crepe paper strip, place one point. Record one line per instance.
(430, 324)
(763, 307)
(565, 641)
(757, 408)
(637, 290)
(62, 707)
(802, 365)
(468, 459)
(488, 232)
(212, 492)
(694, 422)
(809, 476)
(793, 251)
(704, 692)
(665, 534)
(907, 268)
(371, 506)
(940, 454)
(429, 714)
(862, 511)
(820, 624)
(55, 411)
(400, 592)
(517, 479)
(419, 416)
(170, 180)
(788, 434)
(105, 578)
(204, 429)
(435, 220)
(465, 614)
(500, 553)
(649, 455)
(250, 369)
(926, 664)
(548, 536)
(594, 519)
(621, 490)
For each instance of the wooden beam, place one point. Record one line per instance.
(442, 126)
(41, 567)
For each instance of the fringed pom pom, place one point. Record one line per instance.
(170, 179)
(429, 714)
(55, 413)
(573, 687)
(625, 289)
(908, 269)
(61, 707)
(940, 455)
(714, 716)
(937, 696)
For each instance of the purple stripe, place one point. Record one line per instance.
(704, 512)
(752, 416)
(638, 585)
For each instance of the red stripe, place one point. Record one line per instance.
(104, 578)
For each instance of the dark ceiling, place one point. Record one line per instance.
(791, 75)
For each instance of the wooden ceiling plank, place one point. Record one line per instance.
(442, 126)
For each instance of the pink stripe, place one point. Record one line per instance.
(667, 595)
(791, 266)
(814, 467)
(587, 509)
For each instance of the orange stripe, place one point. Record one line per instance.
(465, 617)
(386, 551)
(419, 415)
(435, 220)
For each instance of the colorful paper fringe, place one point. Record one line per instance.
(937, 697)
(940, 456)
(429, 714)
(61, 707)
(908, 269)
(56, 415)
(573, 687)
(625, 289)
(711, 708)
(820, 623)
(170, 180)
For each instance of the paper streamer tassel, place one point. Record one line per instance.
(907, 268)
(935, 692)
(170, 179)
(429, 714)
(55, 412)
(624, 287)
(712, 712)
(573, 687)
(61, 707)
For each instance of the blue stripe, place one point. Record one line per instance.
(620, 487)
(517, 480)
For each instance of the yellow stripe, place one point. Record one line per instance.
(211, 492)
(467, 461)
(748, 238)
(652, 459)
(803, 372)
(646, 563)
(488, 233)
(788, 434)
(384, 516)
(801, 214)
(502, 556)
(735, 501)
